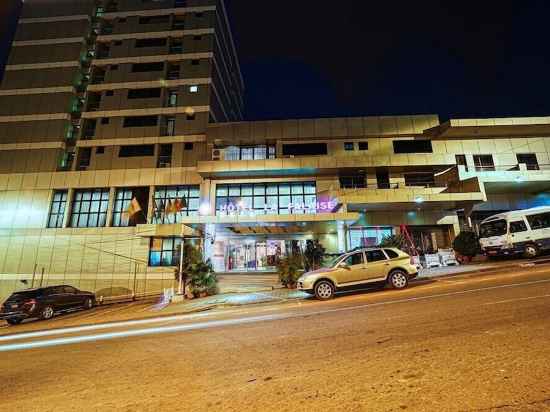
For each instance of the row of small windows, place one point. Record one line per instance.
(89, 207)
(321, 149)
(151, 67)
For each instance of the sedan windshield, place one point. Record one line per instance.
(495, 228)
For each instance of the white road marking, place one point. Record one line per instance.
(517, 300)
(208, 324)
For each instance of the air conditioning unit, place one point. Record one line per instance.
(218, 154)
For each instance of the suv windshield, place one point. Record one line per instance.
(495, 228)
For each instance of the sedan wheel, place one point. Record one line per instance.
(47, 313)
(398, 279)
(324, 290)
(88, 303)
(531, 251)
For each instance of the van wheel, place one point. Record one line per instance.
(324, 290)
(398, 279)
(531, 251)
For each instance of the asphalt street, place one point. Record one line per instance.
(466, 343)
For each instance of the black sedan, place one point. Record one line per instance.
(44, 302)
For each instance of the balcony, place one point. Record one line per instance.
(514, 178)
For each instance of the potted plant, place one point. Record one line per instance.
(466, 246)
(199, 275)
(289, 269)
(313, 255)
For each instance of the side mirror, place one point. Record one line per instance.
(344, 266)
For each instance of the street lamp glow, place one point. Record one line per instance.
(419, 199)
(204, 209)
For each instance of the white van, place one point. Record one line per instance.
(520, 231)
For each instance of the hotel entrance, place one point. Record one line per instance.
(253, 255)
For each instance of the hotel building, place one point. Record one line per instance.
(105, 104)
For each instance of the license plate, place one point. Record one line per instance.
(493, 252)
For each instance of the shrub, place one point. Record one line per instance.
(202, 279)
(313, 255)
(289, 269)
(466, 244)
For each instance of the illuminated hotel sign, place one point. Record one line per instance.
(321, 206)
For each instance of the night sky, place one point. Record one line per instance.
(305, 58)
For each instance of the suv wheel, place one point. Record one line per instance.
(398, 279)
(88, 304)
(46, 313)
(14, 321)
(531, 251)
(324, 290)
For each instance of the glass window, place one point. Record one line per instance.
(391, 253)
(122, 203)
(270, 198)
(57, 209)
(375, 255)
(355, 259)
(493, 228)
(539, 221)
(349, 146)
(518, 226)
(89, 208)
(172, 203)
(164, 251)
(529, 160)
(484, 162)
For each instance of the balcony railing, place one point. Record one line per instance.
(510, 168)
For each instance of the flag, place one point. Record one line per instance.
(179, 205)
(134, 208)
(170, 207)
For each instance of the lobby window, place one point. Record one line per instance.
(528, 159)
(305, 149)
(89, 208)
(57, 209)
(123, 201)
(167, 197)
(144, 93)
(367, 236)
(349, 146)
(412, 146)
(164, 251)
(137, 151)
(266, 198)
(363, 145)
(261, 152)
(484, 163)
(140, 121)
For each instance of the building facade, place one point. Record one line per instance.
(121, 135)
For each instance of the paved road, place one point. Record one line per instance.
(468, 343)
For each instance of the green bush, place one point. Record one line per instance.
(199, 275)
(466, 244)
(396, 241)
(289, 269)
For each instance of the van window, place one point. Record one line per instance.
(518, 226)
(494, 228)
(375, 255)
(539, 221)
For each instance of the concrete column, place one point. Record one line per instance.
(151, 204)
(342, 238)
(209, 238)
(110, 208)
(68, 206)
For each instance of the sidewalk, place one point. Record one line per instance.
(281, 295)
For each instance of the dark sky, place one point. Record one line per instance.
(306, 58)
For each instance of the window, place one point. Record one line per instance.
(57, 209)
(123, 200)
(89, 208)
(188, 197)
(461, 161)
(191, 117)
(151, 42)
(84, 158)
(165, 156)
(539, 221)
(493, 228)
(113, 67)
(199, 15)
(109, 93)
(426, 179)
(249, 152)
(171, 126)
(105, 120)
(144, 93)
(375, 255)
(154, 19)
(118, 43)
(164, 251)
(188, 146)
(349, 146)
(172, 98)
(140, 121)
(484, 163)
(267, 198)
(193, 89)
(70, 290)
(369, 236)
(392, 254)
(528, 159)
(412, 146)
(518, 226)
(307, 149)
(100, 150)
(197, 38)
(355, 259)
(147, 67)
(195, 62)
(137, 151)
(122, 19)
(358, 181)
(363, 145)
